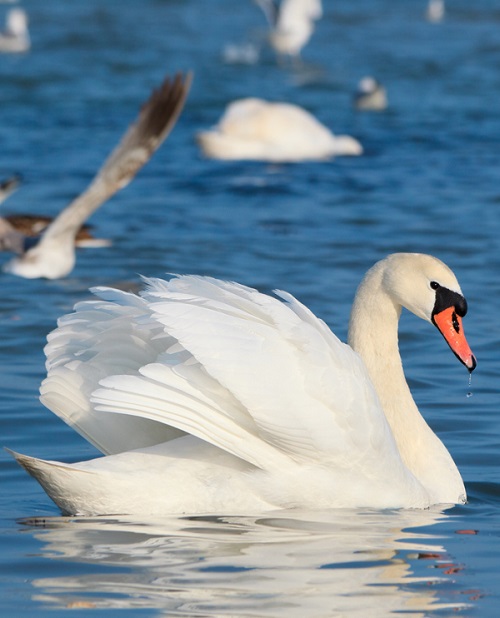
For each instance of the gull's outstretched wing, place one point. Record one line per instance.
(53, 256)
(155, 121)
(270, 10)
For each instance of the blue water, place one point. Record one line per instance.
(428, 182)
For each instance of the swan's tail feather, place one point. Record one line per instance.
(57, 479)
(39, 467)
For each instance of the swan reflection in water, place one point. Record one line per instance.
(285, 563)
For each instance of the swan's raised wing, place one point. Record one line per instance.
(260, 378)
(117, 342)
(307, 393)
(143, 137)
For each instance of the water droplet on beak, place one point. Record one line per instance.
(470, 393)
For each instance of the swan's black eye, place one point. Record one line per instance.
(435, 285)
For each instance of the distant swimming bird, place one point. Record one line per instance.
(370, 95)
(209, 397)
(15, 38)
(281, 132)
(8, 186)
(53, 256)
(435, 11)
(291, 23)
(246, 53)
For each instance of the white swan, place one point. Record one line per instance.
(254, 129)
(207, 396)
(370, 95)
(291, 23)
(15, 38)
(53, 256)
(435, 11)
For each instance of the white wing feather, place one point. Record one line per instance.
(259, 378)
(98, 338)
(308, 393)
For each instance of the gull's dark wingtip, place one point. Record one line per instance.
(163, 108)
(156, 119)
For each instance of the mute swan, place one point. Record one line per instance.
(254, 129)
(435, 11)
(291, 23)
(15, 38)
(370, 95)
(208, 396)
(53, 256)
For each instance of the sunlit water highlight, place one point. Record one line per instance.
(281, 564)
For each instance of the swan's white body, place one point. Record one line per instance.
(254, 129)
(15, 38)
(291, 23)
(370, 95)
(207, 396)
(53, 256)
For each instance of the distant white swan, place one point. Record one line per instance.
(280, 132)
(15, 38)
(53, 256)
(207, 396)
(370, 95)
(435, 11)
(291, 23)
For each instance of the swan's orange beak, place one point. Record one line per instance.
(449, 324)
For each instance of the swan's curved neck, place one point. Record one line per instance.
(373, 334)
